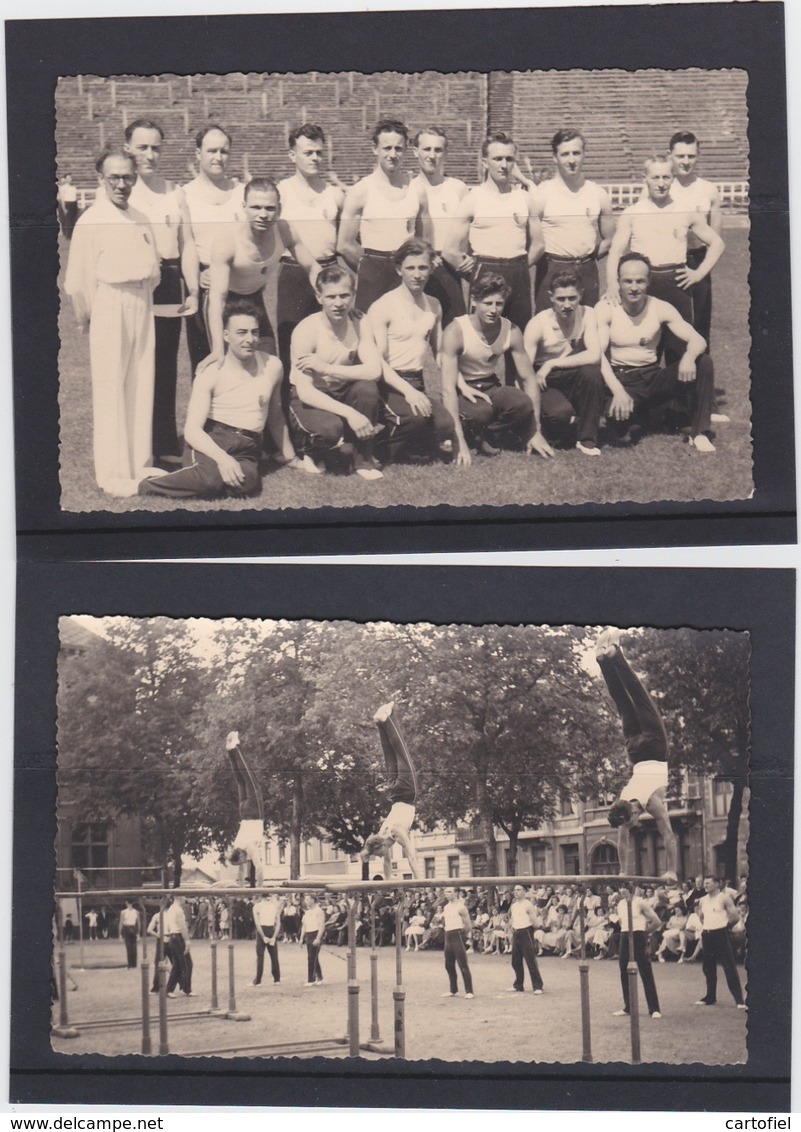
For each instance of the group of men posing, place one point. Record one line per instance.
(373, 284)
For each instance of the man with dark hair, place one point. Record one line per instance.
(631, 330)
(443, 194)
(164, 205)
(576, 221)
(647, 745)
(694, 195)
(381, 211)
(562, 343)
(718, 914)
(643, 920)
(498, 230)
(457, 929)
(472, 348)
(229, 407)
(334, 405)
(402, 790)
(214, 200)
(311, 205)
(658, 227)
(267, 922)
(112, 270)
(245, 261)
(407, 327)
(524, 918)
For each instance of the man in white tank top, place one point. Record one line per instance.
(228, 409)
(576, 221)
(380, 212)
(562, 343)
(164, 205)
(311, 205)
(444, 195)
(457, 925)
(658, 227)
(498, 229)
(406, 325)
(213, 199)
(695, 195)
(629, 333)
(492, 413)
(718, 914)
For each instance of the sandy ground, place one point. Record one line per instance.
(497, 1025)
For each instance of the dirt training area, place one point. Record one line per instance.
(498, 1025)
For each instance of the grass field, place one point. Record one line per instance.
(497, 1025)
(661, 467)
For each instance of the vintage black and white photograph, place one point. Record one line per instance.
(311, 838)
(286, 291)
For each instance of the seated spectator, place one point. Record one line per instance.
(672, 934)
(415, 932)
(551, 938)
(691, 938)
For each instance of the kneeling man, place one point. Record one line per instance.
(631, 332)
(230, 404)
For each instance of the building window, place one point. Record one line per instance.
(90, 846)
(604, 860)
(282, 854)
(721, 796)
(538, 861)
(571, 861)
(430, 868)
(453, 866)
(478, 864)
(566, 809)
(267, 854)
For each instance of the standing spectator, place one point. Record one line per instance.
(129, 928)
(68, 205)
(643, 919)
(176, 935)
(91, 918)
(267, 919)
(457, 926)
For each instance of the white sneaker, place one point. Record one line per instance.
(448, 994)
(656, 1014)
(369, 473)
(702, 443)
(741, 1006)
(307, 465)
(661, 958)
(720, 418)
(382, 715)
(538, 991)
(587, 449)
(620, 1013)
(471, 995)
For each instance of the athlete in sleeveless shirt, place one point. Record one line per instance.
(444, 195)
(402, 790)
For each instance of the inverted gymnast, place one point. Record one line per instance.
(402, 790)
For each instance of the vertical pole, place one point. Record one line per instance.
(353, 982)
(375, 1033)
(584, 986)
(213, 954)
(231, 989)
(631, 970)
(80, 920)
(399, 994)
(164, 1046)
(147, 1048)
(63, 1029)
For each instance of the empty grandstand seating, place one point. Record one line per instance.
(624, 115)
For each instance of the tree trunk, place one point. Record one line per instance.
(732, 832)
(295, 824)
(487, 829)
(513, 836)
(177, 868)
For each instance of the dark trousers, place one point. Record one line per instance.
(129, 937)
(401, 776)
(574, 392)
(272, 947)
(376, 276)
(518, 306)
(716, 946)
(249, 796)
(455, 955)
(158, 958)
(445, 285)
(406, 433)
(643, 966)
(69, 218)
(585, 268)
(200, 477)
(702, 296)
(176, 953)
(523, 952)
(316, 431)
(197, 338)
(655, 385)
(168, 337)
(295, 301)
(507, 416)
(643, 729)
(314, 971)
(662, 285)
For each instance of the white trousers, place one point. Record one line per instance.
(122, 349)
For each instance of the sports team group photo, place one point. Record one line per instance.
(506, 843)
(297, 291)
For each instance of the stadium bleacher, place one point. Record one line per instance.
(625, 116)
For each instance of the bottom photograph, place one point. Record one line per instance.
(337, 839)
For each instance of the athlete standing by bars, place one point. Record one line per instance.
(402, 790)
(457, 927)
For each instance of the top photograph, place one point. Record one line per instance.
(346, 289)
(411, 293)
